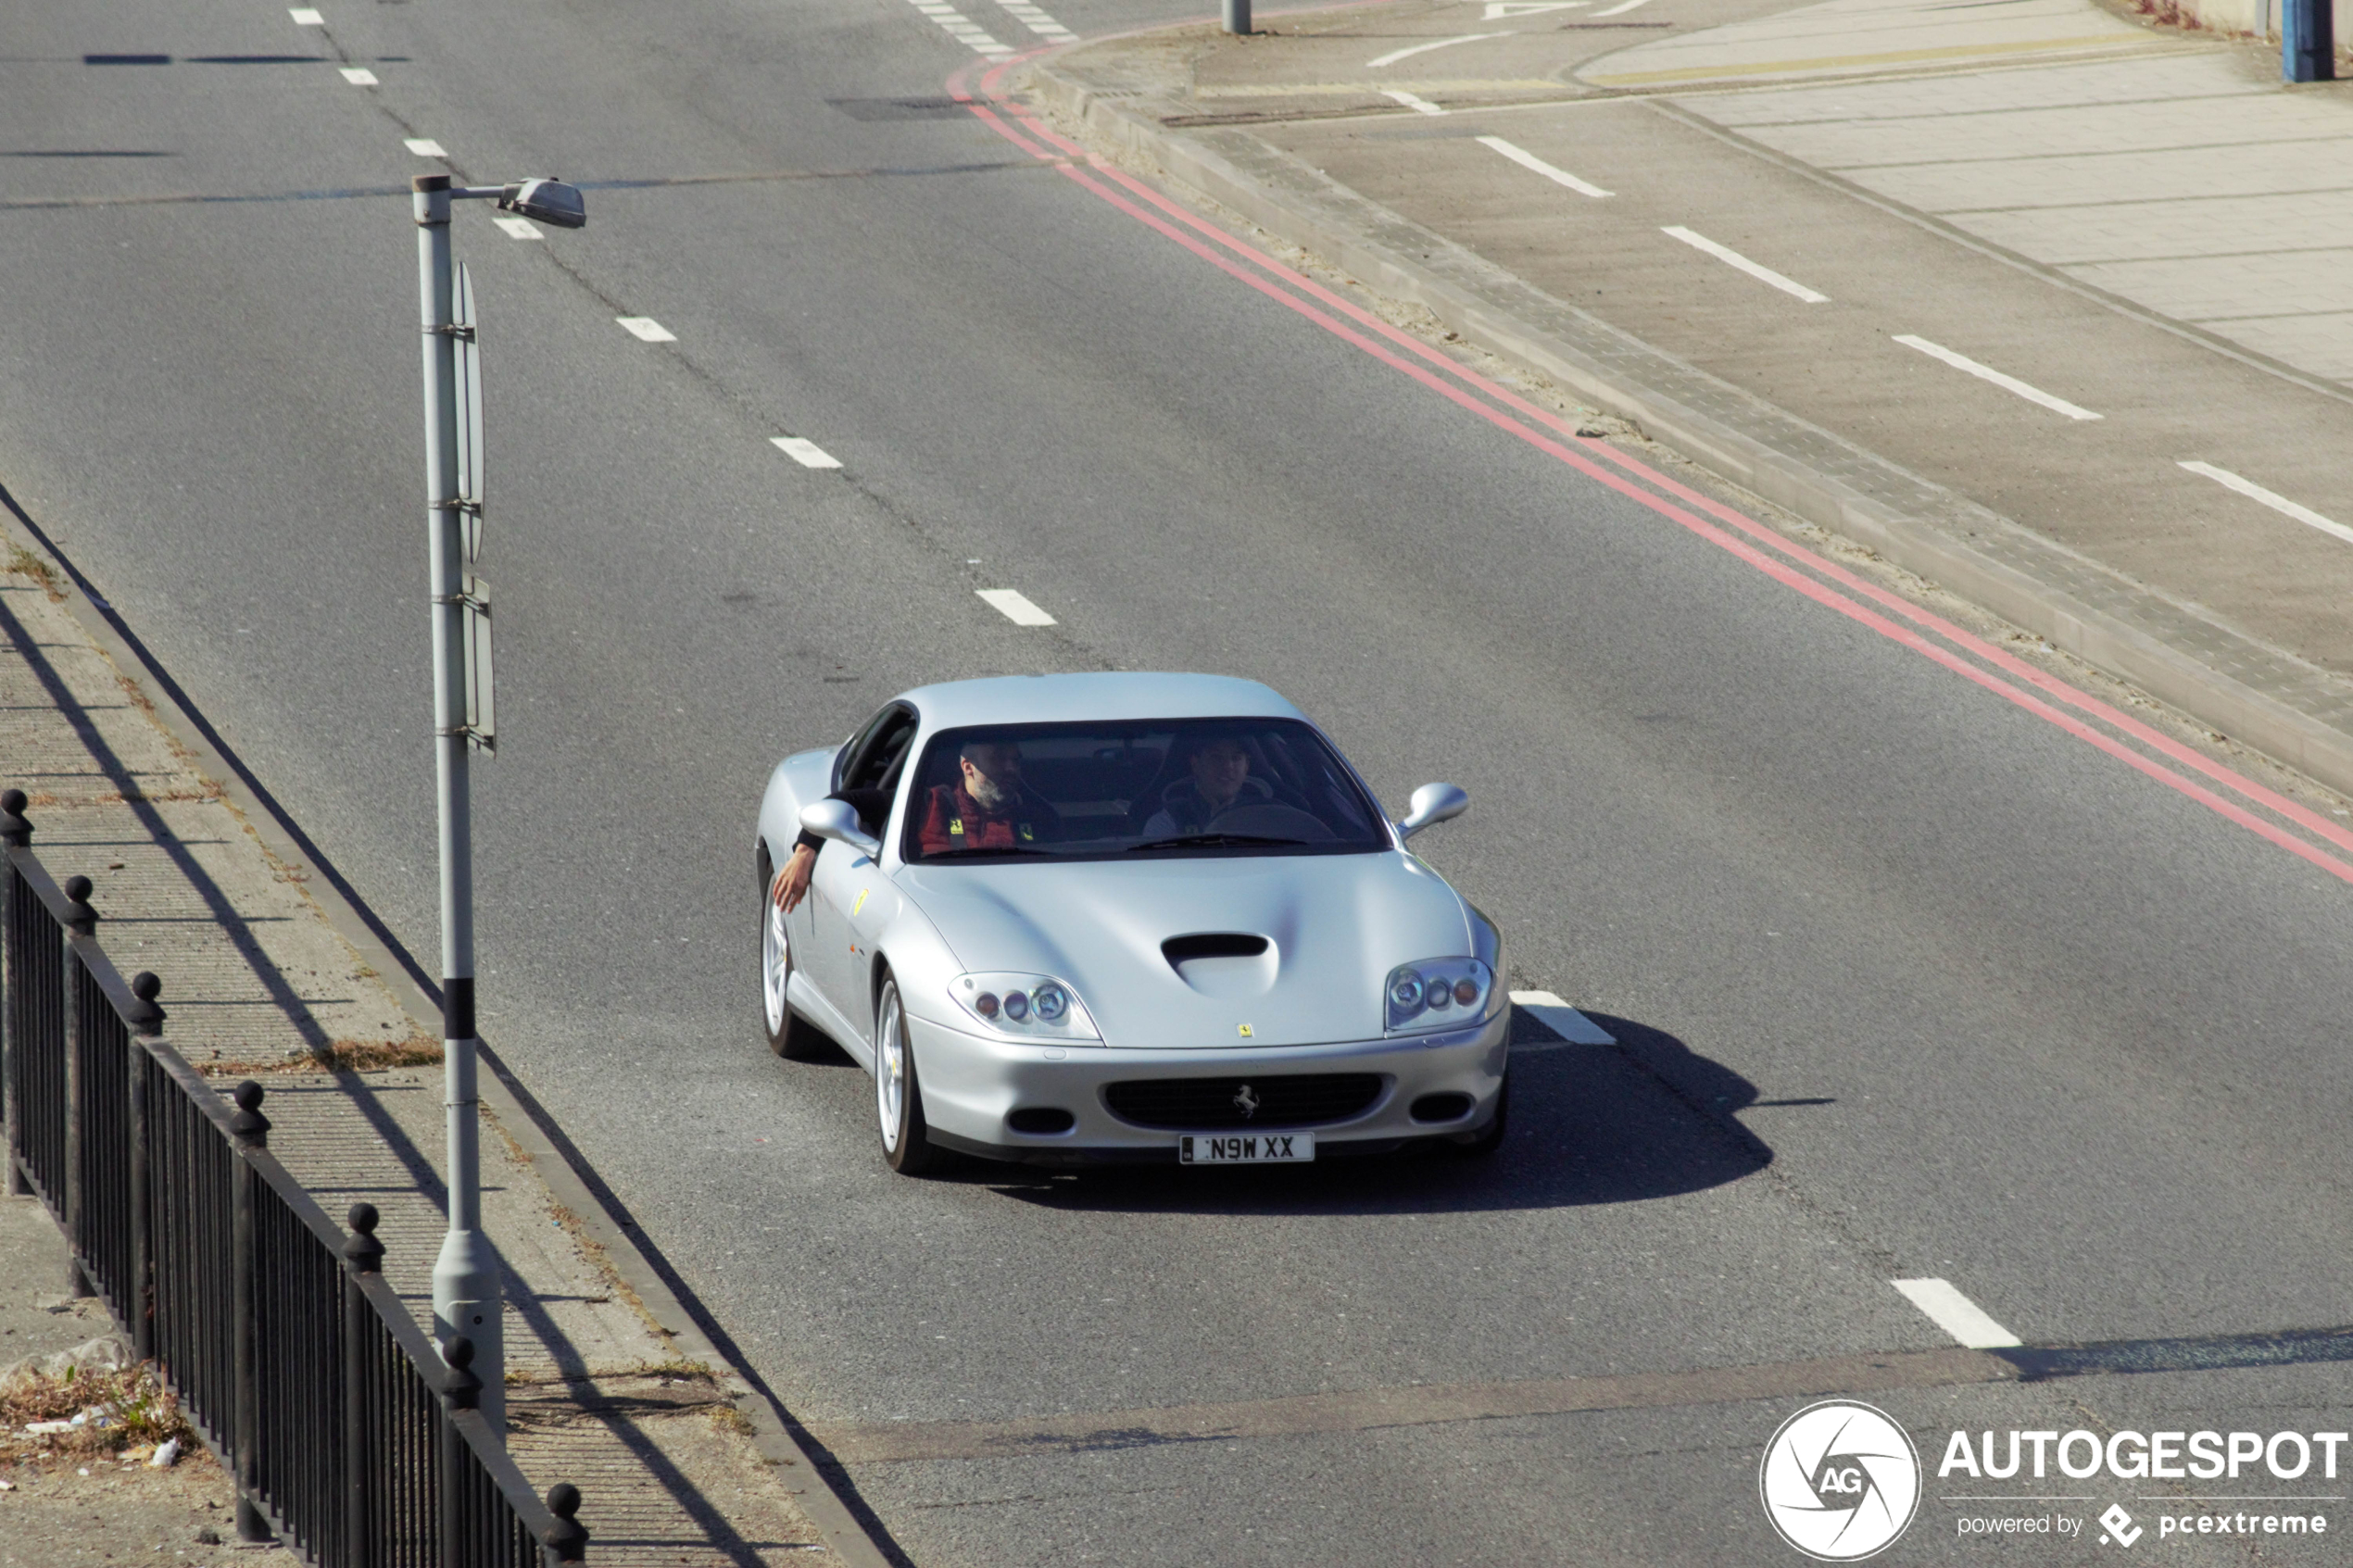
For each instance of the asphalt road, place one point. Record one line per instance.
(1908, 982)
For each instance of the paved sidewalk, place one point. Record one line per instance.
(1794, 241)
(257, 981)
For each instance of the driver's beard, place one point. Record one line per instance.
(985, 792)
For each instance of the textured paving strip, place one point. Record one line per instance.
(255, 981)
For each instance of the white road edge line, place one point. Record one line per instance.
(1987, 373)
(520, 227)
(1621, 7)
(1396, 55)
(1419, 105)
(1572, 1026)
(1732, 257)
(305, 16)
(2272, 499)
(360, 76)
(1955, 1314)
(424, 146)
(808, 453)
(1015, 606)
(1526, 159)
(646, 329)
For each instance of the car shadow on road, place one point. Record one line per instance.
(1644, 1118)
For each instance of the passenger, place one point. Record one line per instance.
(1218, 781)
(989, 807)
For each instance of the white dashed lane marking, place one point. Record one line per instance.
(1955, 1314)
(1037, 21)
(425, 146)
(1732, 257)
(1526, 159)
(1396, 55)
(2272, 499)
(646, 329)
(305, 16)
(360, 76)
(1418, 105)
(1015, 606)
(808, 453)
(1986, 373)
(1573, 1027)
(960, 27)
(520, 227)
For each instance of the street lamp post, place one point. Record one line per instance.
(468, 1298)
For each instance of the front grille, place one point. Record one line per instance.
(1196, 1104)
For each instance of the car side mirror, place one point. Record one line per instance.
(838, 819)
(1432, 803)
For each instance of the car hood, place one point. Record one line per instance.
(1335, 926)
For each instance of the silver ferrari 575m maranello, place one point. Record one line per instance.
(1065, 919)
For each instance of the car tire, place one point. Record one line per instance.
(789, 1036)
(898, 1097)
(1488, 1139)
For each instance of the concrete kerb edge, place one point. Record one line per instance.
(2309, 745)
(772, 1435)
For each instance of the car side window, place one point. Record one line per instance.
(877, 762)
(850, 761)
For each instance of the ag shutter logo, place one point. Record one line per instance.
(1840, 1480)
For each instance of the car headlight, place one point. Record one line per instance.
(1030, 1007)
(1438, 994)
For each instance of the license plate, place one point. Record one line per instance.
(1246, 1148)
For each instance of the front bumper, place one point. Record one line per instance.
(971, 1083)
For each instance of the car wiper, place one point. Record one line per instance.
(975, 849)
(1190, 840)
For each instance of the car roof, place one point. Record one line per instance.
(1121, 695)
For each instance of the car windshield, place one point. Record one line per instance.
(1177, 787)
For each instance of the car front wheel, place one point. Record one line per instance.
(898, 1097)
(789, 1036)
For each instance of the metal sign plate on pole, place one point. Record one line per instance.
(468, 346)
(481, 722)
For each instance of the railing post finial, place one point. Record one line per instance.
(78, 914)
(146, 1016)
(568, 1540)
(15, 828)
(460, 1387)
(361, 1251)
(249, 1125)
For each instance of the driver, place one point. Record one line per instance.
(987, 807)
(1218, 780)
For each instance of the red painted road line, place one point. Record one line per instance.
(2010, 663)
(1784, 572)
(2018, 669)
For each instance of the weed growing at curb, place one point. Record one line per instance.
(24, 563)
(135, 1414)
(337, 1056)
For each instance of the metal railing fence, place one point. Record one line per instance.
(349, 1434)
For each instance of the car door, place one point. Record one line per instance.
(845, 881)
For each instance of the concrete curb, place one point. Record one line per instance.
(520, 1115)
(2258, 693)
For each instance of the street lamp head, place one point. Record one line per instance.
(550, 201)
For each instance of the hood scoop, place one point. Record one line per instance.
(1224, 963)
